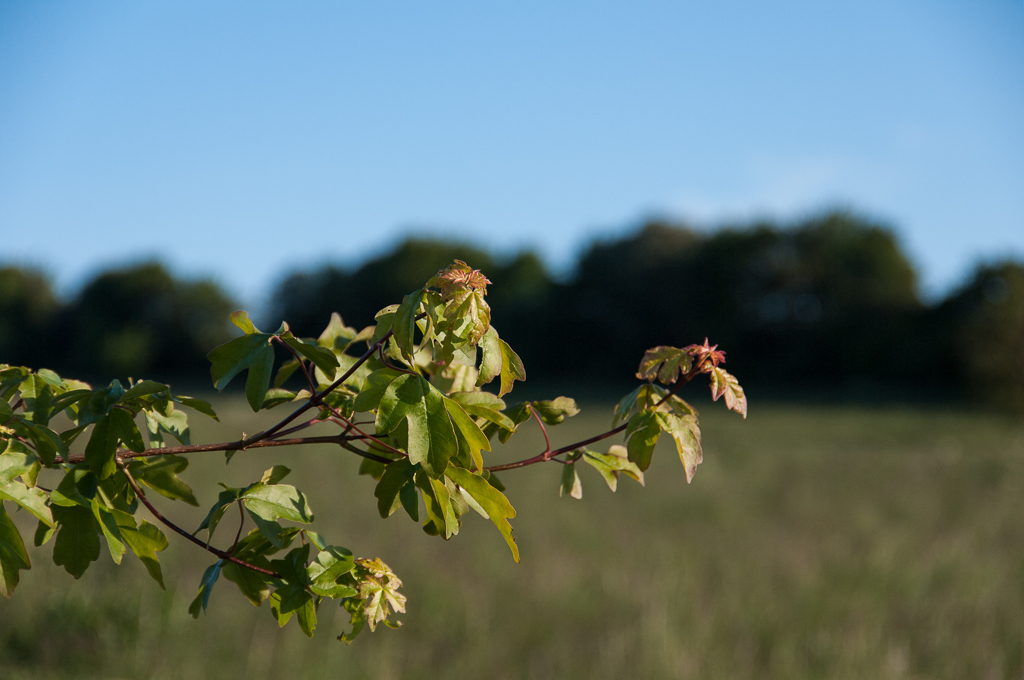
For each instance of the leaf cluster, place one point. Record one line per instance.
(420, 396)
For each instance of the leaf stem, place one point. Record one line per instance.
(548, 455)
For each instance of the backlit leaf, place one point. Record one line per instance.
(492, 501)
(431, 435)
(725, 384)
(611, 464)
(13, 557)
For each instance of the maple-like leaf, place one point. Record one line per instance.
(725, 384)
(710, 353)
(664, 363)
(378, 587)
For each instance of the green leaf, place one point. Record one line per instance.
(268, 503)
(556, 410)
(210, 577)
(285, 371)
(198, 405)
(249, 352)
(167, 419)
(224, 501)
(114, 428)
(469, 434)
(441, 517)
(275, 474)
(14, 464)
(404, 323)
(431, 434)
(571, 484)
(78, 542)
(337, 336)
(664, 363)
(244, 323)
(145, 541)
(373, 391)
(397, 476)
(642, 434)
(32, 499)
(384, 319)
(38, 396)
(13, 557)
(321, 357)
(493, 502)
(612, 463)
(43, 534)
(686, 435)
(47, 442)
(323, 573)
(725, 384)
(486, 399)
(519, 413)
(490, 357)
(252, 584)
(276, 396)
(160, 473)
(143, 388)
(111, 532)
(499, 359)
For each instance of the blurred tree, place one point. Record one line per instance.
(27, 307)
(983, 325)
(141, 320)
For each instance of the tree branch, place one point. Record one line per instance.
(227, 556)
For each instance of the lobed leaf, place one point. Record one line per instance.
(491, 500)
(13, 557)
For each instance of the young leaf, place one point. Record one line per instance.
(665, 364)
(468, 432)
(13, 557)
(571, 485)
(431, 435)
(686, 435)
(492, 501)
(497, 358)
(612, 463)
(642, 434)
(725, 384)
(554, 411)
(378, 588)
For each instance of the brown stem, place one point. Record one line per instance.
(547, 442)
(241, 523)
(125, 454)
(227, 556)
(316, 398)
(549, 455)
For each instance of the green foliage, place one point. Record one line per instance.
(418, 383)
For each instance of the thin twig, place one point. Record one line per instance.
(241, 523)
(547, 442)
(550, 455)
(181, 532)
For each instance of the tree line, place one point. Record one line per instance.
(828, 305)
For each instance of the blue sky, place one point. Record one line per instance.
(245, 139)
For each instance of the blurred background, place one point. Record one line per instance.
(832, 193)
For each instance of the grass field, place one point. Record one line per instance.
(814, 542)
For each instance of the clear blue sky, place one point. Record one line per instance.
(242, 139)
